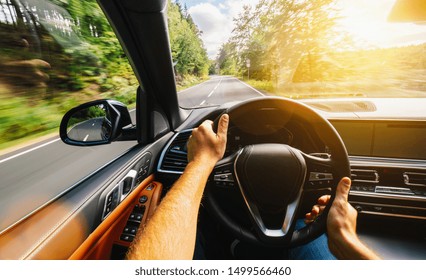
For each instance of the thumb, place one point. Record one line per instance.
(222, 128)
(343, 188)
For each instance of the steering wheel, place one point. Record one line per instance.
(272, 178)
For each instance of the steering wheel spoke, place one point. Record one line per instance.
(272, 177)
(223, 175)
(320, 172)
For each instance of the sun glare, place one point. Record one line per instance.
(367, 24)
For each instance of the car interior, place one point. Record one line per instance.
(378, 142)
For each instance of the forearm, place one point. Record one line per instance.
(174, 223)
(351, 248)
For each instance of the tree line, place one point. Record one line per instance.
(296, 47)
(188, 52)
(273, 36)
(57, 54)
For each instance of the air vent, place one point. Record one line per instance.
(174, 160)
(414, 179)
(364, 175)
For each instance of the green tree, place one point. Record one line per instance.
(227, 60)
(187, 48)
(276, 34)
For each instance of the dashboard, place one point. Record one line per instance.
(383, 138)
(269, 125)
(388, 167)
(387, 157)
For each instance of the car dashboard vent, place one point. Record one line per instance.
(414, 179)
(174, 158)
(364, 175)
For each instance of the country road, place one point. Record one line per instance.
(33, 175)
(217, 90)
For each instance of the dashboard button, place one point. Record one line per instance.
(126, 237)
(358, 208)
(143, 199)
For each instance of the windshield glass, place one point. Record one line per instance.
(296, 48)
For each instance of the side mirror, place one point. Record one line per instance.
(96, 123)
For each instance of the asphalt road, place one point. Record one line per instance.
(87, 131)
(33, 175)
(217, 90)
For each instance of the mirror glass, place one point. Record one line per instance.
(90, 124)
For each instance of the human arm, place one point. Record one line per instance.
(343, 240)
(171, 232)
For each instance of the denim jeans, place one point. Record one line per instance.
(315, 250)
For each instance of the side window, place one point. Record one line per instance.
(55, 55)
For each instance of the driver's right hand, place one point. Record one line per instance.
(343, 240)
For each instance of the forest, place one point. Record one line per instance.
(295, 50)
(57, 54)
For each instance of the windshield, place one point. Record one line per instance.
(295, 48)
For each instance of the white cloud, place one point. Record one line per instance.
(216, 21)
(213, 23)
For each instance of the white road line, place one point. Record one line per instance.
(35, 148)
(211, 93)
(250, 87)
(85, 138)
(196, 85)
(30, 150)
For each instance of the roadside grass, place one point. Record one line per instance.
(27, 140)
(261, 85)
(343, 89)
(187, 81)
(24, 119)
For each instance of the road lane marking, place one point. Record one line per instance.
(211, 93)
(196, 85)
(38, 147)
(250, 87)
(30, 150)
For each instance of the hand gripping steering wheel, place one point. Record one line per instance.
(272, 178)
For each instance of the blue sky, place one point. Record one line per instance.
(214, 18)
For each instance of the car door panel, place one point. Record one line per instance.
(58, 230)
(99, 244)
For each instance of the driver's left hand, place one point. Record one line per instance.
(206, 146)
